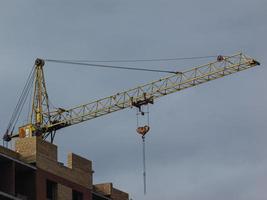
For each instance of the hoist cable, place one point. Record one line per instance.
(144, 163)
(141, 60)
(148, 119)
(137, 120)
(142, 114)
(109, 66)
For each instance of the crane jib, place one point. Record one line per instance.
(47, 121)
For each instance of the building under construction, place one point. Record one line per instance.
(32, 172)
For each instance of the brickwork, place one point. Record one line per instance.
(30, 148)
(44, 154)
(64, 192)
(79, 163)
(104, 188)
(119, 195)
(9, 152)
(26, 146)
(77, 175)
(108, 190)
(43, 176)
(46, 150)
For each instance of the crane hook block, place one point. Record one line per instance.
(142, 130)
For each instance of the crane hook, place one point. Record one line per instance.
(143, 130)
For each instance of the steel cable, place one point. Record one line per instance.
(109, 66)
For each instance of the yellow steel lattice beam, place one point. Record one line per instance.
(147, 93)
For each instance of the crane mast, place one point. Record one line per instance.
(40, 106)
(47, 122)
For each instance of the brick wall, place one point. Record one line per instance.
(77, 174)
(64, 187)
(104, 188)
(64, 192)
(119, 195)
(108, 190)
(9, 152)
(44, 155)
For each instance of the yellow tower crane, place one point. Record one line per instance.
(45, 122)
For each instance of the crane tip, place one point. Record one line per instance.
(254, 62)
(39, 62)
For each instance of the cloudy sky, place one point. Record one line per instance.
(205, 143)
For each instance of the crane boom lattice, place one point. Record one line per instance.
(147, 93)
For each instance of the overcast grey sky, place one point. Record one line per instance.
(205, 143)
